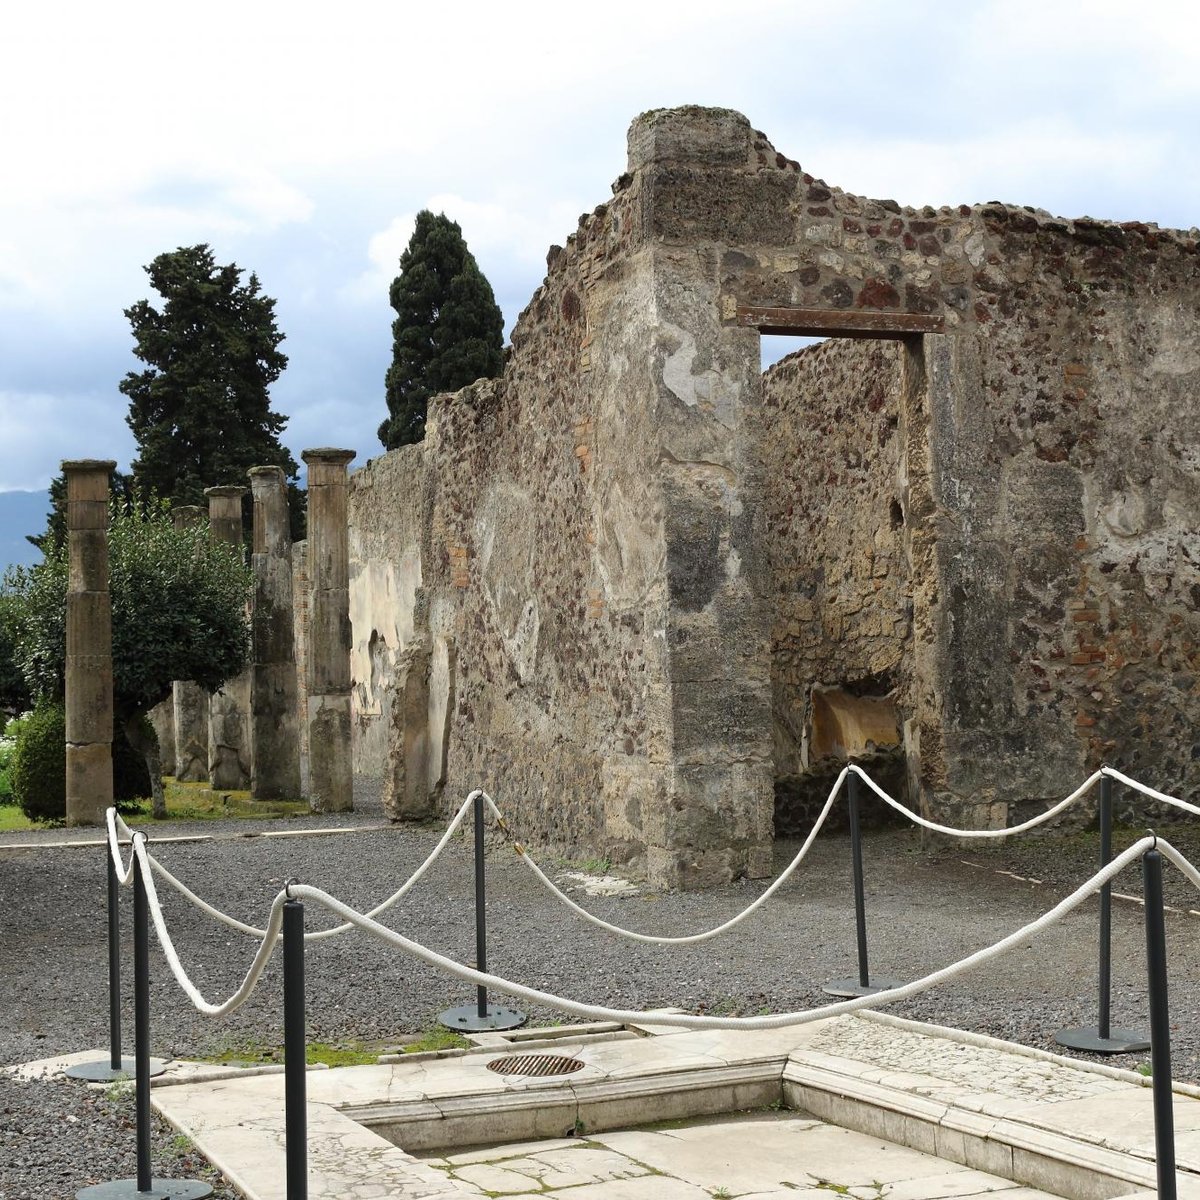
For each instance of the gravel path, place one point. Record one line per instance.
(927, 905)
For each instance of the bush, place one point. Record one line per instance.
(38, 768)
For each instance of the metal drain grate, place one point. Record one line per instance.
(535, 1064)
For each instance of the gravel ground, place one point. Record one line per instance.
(927, 905)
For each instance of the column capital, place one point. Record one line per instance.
(81, 466)
(328, 455)
(225, 491)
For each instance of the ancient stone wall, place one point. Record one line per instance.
(389, 539)
(611, 550)
(1049, 494)
(840, 650)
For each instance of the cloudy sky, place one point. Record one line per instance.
(300, 140)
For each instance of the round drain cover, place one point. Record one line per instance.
(535, 1064)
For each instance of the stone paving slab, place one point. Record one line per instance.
(1025, 1118)
(772, 1154)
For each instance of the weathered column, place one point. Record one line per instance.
(89, 676)
(189, 700)
(229, 708)
(330, 771)
(274, 701)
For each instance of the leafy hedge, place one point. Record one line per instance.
(37, 768)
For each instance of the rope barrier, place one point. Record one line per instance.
(124, 874)
(321, 934)
(261, 958)
(1033, 822)
(691, 938)
(600, 1012)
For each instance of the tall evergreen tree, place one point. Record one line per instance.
(448, 330)
(201, 412)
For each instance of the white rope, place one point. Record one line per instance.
(1162, 797)
(687, 939)
(322, 934)
(536, 996)
(775, 1021)
(113, 819)
(632, 935)
(261, 958)
(620, 931)
(1040, 819)
(950, 831)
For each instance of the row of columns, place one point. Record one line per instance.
(247, 733)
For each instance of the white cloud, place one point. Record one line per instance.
(508, 234)
(1048, 163)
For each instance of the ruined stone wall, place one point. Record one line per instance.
(606, 553)
(838, 572)
(592, 601)
(1049, 492)
(389, 537)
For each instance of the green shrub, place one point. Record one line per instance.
(38, 767)
(37, 772)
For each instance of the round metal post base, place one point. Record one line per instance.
(1119, 1041)
(849, 988)
(101, 1071)
(160, 1189)
(466, 1017)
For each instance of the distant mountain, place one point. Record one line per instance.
(21, 513)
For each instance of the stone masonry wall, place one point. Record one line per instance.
(838, 572)
(1049, 494)
(599, 578)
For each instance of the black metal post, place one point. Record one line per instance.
(144, 1187)
(1102, 1038)
(1105, 1008)
(864, 985)
(1160, 1025)
(481, 1015)
(481, 996)
(114, 1067)
(114, 965)
(860, 900)
(295, 1052)
(141, 1023)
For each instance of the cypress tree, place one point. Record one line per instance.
(448, 330)
(200, 412)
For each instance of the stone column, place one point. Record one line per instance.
(229, 708)
(330, 771)
(189, 700)
(274, 702)
(89, 675)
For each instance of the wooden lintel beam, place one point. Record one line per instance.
(837, 322)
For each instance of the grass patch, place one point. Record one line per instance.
(332, 1054)
(185, 802)
(199, 802)
(13, 820)
(437, 1038)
